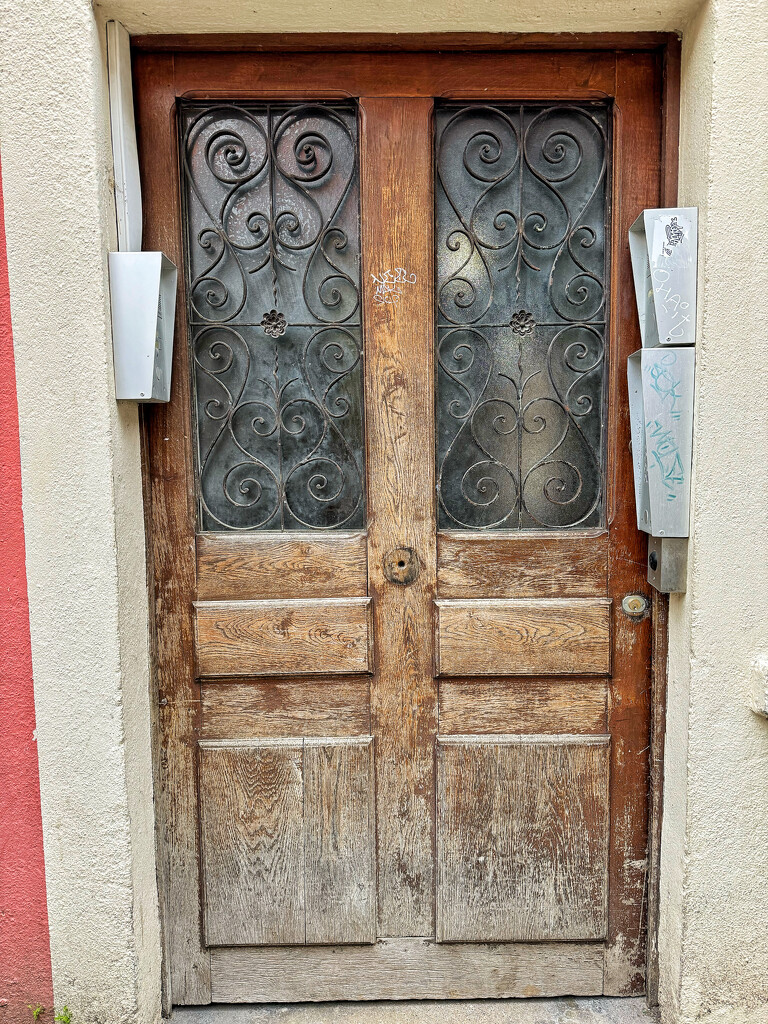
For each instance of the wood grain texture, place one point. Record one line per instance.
(637, 181)
(523, 638)
(236, 567)
(406, 968)
(381, 42)
(470, 565)
(168, 489)
(288, 841)
(286, 707)
(396, 180)
(340, 846)
(275, 638)
(252, 823)
(523, 705)
(555, 75)
(522, 838)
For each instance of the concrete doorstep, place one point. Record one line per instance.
(481, 1011)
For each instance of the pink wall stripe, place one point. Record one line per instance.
(25, 955)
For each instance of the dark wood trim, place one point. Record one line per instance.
(660, 607)
(367, 42)
(169, 484)
(637, 179)
(670, 142)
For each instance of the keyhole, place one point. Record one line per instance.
(401, 566)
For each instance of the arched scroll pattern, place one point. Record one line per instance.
(272, 227)
(521, 216)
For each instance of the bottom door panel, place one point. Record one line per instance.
(287, 830)
(405, 968)
(522, 838)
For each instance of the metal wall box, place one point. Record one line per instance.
(661, 413)
(668, 564)
(143, 296)
(663, 247)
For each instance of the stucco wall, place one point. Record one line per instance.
(83, 516)
(714, 929)
(82, 498)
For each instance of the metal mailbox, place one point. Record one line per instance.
(143, 294)
(661, 415)
(661, 412)
(663, 247)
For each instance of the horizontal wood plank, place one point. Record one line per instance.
(276, 638)
(523, 638)
(522, 838)
(406, 968)
(286, 707)
(473, 565)
(296, 42)
(234, 567)
(523, 705)
(555, 75)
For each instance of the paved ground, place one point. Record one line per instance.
(484, 1011)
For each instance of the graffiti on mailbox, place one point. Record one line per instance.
(663, 449)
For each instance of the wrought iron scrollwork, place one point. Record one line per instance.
(521, 214)
(273, 253)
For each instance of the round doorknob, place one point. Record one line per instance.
(401, 566)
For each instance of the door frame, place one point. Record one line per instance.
(156, 49)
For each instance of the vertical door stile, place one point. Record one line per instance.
(639, 102)
(167, 429)
(396, 200)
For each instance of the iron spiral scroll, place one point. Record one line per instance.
(521, 219)
(271, 201)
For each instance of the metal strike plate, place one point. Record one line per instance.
(401, 566)
(668, 564)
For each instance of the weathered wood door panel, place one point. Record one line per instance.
(287, 841)
(404, 721)
(522, 838)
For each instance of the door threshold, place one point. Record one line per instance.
(600, 1010)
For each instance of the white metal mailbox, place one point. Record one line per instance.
(661, 413)
(143, 293)
(663, 246)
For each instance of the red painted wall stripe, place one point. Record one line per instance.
(25, 954)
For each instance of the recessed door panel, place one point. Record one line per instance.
(287, 841)
(522, 838)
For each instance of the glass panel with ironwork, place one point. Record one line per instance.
(522, 280)
(272, 224)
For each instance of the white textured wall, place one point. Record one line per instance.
(400, 15)
(82, 497)
(83, 517)
(714, 931)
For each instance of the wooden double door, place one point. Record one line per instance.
(404, 718)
